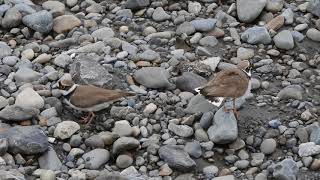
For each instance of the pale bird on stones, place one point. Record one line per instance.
(231, 83)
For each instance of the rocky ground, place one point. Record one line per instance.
(162, 50)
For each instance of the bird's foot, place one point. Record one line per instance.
(87, 120)
(226, 109)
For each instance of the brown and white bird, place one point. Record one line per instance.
(230, 83)
(89, 98)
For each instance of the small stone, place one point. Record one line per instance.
(268, 146)
(256, 35)
(249, 10)
(308, 149)
(96, 158)
(160, 14)
(194, 7)
(137, 4)
(204, 25)
(313, 34)
(313, 7)
(212, 62)
(181, 130)
(286, 170)
(209, 41)
(224, 129)
(210, 171)
(176, 158)
(276, 23)
(41, 21)
(28, 54)
(29, 98)
(124, 161)
(150, 108)
(103, 33)
(291, 91)
(56, 8)
(94, 141)
(48, 175)
(125, 144)
(245, 53)
(42, 58)
(274, 5)
(152, 77)
(49, 160)
(284, 40)
(28, 140)
(65, 23)
(66, 129)
(193, 149)
(149, 55)
(122, 128)
(12, 18)
(26, 75)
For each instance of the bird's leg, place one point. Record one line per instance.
(234, 109)
(91, 118)
(88, 118)
(223, 103)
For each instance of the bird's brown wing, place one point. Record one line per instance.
(227, 83)
(86, 96)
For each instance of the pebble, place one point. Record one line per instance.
(65, 23)
(268, 146)
(181, 130)
(41, 21)
(249, 10)
(224, 129)
(176, 158)
(30, 99)
(256, 35)
(204, 25)
(152, 77)
(160, 14)
(20, 137)
(308, 149)
(284, 40)
(66, 129)
(96, 158)
(124, 161)
(313, 34)
(286, 169)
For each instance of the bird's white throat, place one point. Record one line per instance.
(65, 93)
(247, 73)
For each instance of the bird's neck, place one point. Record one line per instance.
(70, 90)
(247, 73)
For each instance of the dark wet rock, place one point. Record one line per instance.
(17, 113)
(27, 140)
(176, 158)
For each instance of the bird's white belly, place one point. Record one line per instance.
(94, 108)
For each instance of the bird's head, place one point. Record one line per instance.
(246, 66)
(65, 84)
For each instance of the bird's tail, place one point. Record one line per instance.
(217, 102)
